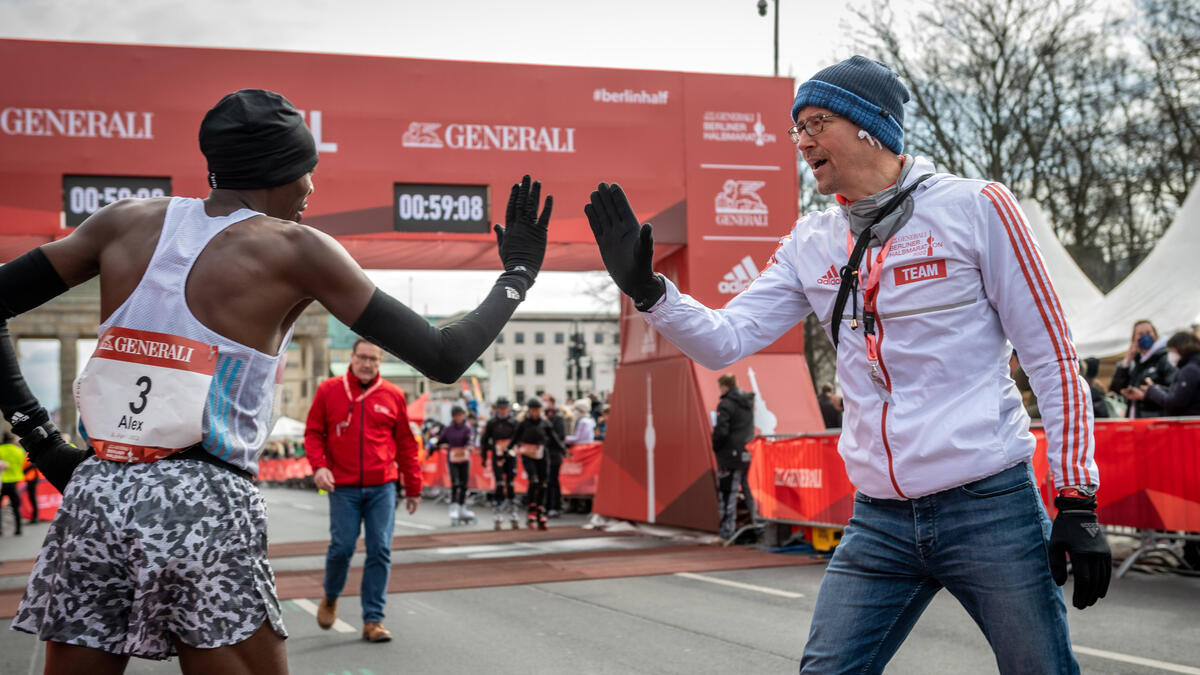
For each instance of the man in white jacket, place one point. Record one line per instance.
(925, 282)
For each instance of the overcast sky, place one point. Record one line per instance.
(717, 36)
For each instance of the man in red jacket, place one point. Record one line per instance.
(359, 444)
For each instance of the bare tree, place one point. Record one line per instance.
(1057, 103)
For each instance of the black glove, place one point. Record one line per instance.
(522, 240)
(626, 248)
(53, 456)
(1077, 533)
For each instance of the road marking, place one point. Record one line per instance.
(1137, 660)
(306, 507)
(738, 584)
(310, 607)
(39, 648)
(415, 526)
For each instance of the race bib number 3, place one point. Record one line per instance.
(142, 394)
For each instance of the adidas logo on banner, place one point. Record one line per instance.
(830, 278)
(739, 278)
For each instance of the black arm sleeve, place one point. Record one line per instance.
(440, 354)
(25, 283)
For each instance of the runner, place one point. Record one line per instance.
(496, 444)
(534, 438)
(186, 535)
(456, 440)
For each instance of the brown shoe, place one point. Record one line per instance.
(326, 613)
(373, 631)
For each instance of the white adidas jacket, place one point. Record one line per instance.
(962, 279)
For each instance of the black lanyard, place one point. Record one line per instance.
(849, 271)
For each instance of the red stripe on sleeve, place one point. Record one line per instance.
(1018, 245)
(1080, 448)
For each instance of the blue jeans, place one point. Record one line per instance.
(375, 508)
(985, 542)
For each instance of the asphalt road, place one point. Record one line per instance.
(1149, 623)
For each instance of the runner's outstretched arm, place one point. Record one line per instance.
(441, 354)
(25, 283)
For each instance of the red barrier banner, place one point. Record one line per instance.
(581, 470)
(801, 480)
(48, 500)
(578, 476)
(1149, 470)
(282, 469)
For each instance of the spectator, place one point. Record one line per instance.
(831, 407)
(1183, 396)
(32, 478)
(359, 444)
(731, 433)
(1146, 359)
(585, 424)
(12, 464)
(1091, 367)
(557, 454)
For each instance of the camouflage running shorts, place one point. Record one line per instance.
(141, 552)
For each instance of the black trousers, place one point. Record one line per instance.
(554, 499)
(729, 480)
(537, 470)
(504, 468)
(31, 490)
(10, 490)
(460, 473)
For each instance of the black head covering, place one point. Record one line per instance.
(255, 139)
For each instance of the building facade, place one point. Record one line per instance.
(533, 355)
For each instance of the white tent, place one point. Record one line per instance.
(1165, 289)
(1079, 296)
(286, 429)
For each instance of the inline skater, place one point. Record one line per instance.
(496, 443)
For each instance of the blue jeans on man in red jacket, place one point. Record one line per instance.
(374, 509)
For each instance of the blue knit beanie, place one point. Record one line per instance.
(867, 92)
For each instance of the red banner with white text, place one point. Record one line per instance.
(578, 476)
(1149, 472)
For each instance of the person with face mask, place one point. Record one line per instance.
(1182, 398)
(1147, 359)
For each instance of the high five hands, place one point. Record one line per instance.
(522, 238)
(626, 247)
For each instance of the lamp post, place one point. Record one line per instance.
(762, 11)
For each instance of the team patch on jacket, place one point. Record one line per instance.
(922, 271)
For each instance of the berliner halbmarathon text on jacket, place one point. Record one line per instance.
(934, 434)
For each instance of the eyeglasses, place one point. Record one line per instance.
(811, 126)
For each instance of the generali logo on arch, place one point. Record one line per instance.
(508, 137)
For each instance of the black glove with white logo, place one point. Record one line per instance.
(53, 456)
(522, 239)
(626, 247)
(1077, 534)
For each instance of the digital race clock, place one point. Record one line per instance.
(441, 208)
(85, 195)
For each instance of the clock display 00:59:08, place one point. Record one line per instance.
(440, 207)
(429, 207)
